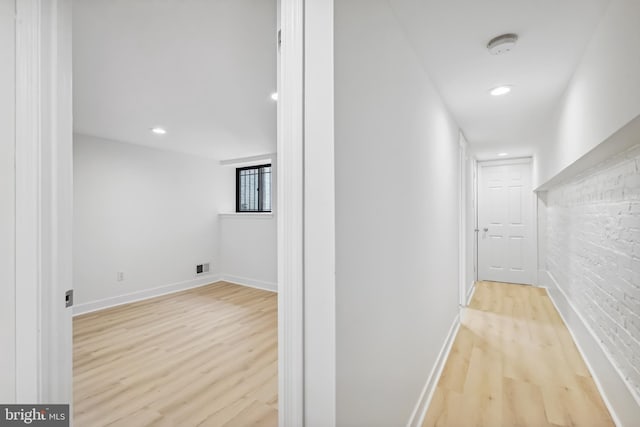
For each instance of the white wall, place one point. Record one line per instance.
(593, 249)
(7, 206)
(247, 242)
(397, 200)
(248, 250)
(150, 214)
(587, 223)
(604, 92)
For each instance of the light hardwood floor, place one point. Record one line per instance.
(514, 363)
(202, 357)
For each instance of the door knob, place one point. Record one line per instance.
(485, 229)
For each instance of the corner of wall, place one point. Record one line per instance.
(251, 283)
(144, 294)
(420, 410)
(619, 399)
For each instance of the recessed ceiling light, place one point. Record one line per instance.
(158, 131)
(500, 90)
(274, 96)
(503, 154)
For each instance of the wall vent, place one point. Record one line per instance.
(202, 268)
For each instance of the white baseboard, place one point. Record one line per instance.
(252, 283)
(420, 410)
(470, 292)
(143, 295)
(620, 400)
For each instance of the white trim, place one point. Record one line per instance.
(57, 209)
(319, 217)
(250, 283)
(7, 204)
(28, 202)
(462, 223)
(420, 410)
(44, 205)
(502, 162)
(618, 142)
(246, 215)
(470, 293)
(474, 202)
(536, 232)
(249, 161)
(618, 397)
(102, 304)
(290, 201)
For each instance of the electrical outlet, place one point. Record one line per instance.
(120, 276)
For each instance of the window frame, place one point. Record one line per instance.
(260, 184)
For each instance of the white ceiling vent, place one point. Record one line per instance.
(502, 44)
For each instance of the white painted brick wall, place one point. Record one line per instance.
(593, 252)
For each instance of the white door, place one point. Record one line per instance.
(506, 244)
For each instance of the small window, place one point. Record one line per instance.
(253, 189)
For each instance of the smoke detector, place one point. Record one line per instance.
(502, 44)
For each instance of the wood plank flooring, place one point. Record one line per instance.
(514, 363)
(202, 357)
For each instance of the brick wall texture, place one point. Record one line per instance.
(593, 252)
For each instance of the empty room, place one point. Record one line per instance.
(354, 213)
(175, 317)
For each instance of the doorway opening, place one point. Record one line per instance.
(174, 288)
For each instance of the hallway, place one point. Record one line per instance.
(514, 363)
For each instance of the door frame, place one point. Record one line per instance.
(44, 207)
(468, 228)
(44, 201)
(306, 216)
(290, 215)
(318, 202)
(533, 207)
(462, 222)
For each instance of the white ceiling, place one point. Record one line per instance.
(202, 69)
(450, 37)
